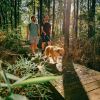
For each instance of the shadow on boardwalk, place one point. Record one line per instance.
(73, 89)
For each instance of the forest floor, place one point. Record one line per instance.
(89, 79)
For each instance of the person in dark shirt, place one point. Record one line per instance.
(46, 31)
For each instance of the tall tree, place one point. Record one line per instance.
(15, 14)
(49, 1)
(91, 18)
(33, 6)
(75, 21)
(53, 21)
(0, 19)
(40, 12)
(11, 14)
(19, 15)
(73, 89)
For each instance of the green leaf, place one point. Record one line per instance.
(22, 79)
(10, 76)
(1, 98)
(3, 85)
(5, 79)
(36, 80)
(16, 97)
(13, 77)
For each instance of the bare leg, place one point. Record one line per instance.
(32, 48)
(49, 42)
(35, 46)
(43, 46)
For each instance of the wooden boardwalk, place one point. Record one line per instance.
(89, 79)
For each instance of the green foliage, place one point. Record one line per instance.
(92, 52)
(10, 14)
(15, 97)
(1, 98)
(32, 83)
(88, 19)
(23, 67)
(97, 20)
(13, 42)
(36, 80)
(87, 52)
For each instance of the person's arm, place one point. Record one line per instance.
(42, 31)
(50, 28)
(38, 30)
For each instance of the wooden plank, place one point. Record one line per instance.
(86, 75)
(58, 84)
(94, 95)
(90, 79)
(92, 86)
(97, 77)
(87, 81)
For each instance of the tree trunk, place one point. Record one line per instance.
(49, 7)
(91, 19)
(73, 89)
(40, 13)
(81, 2)
(19, 16)
(34, 7)
(75, 21)
(11, 15)
(3, 18)
(53, 22)
(6, 20)
(76, 26)
(15, 14)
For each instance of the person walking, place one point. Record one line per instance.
(32, 34)
(45, 32)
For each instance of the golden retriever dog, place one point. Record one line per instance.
(54, 52)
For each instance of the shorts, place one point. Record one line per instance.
(45, 37)
(33, 39)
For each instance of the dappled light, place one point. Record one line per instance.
(50, 50)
